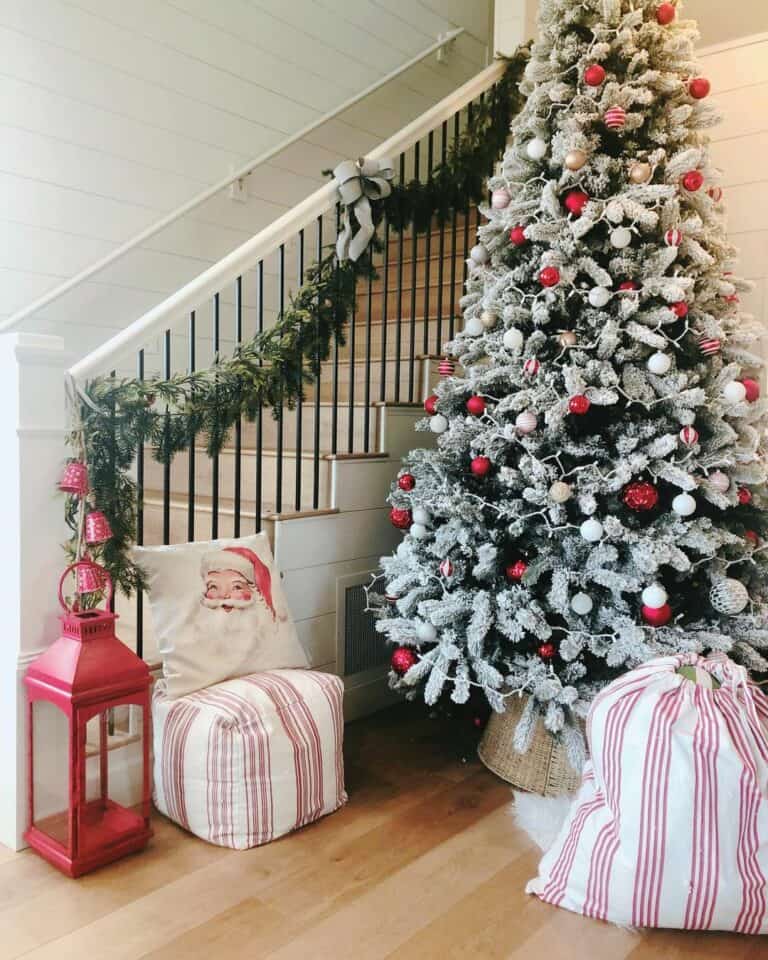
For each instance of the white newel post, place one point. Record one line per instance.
(32, 430)
(514, 22)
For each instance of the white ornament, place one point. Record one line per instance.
(735, 391)
(500, 198)
(421, 515)
(728, 596)
(684, 505)
(560, 492)
(599, 296)
(402, 550)
(488, 319)
(526, 421)
(655, 596)
(591, 530)
(659, 363)
(479, 254)
(581, 603)
(513, 340)
(621, 237)
(719, 481)
(614, 211)
(426, 632)
(474, 327)
(438, 423)
(418, 531)
(536, 149)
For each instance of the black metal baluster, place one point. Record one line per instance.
(428, 247)
(140, 519)
(441, 249)
(398, 328)
(367, 409)
(383, 314)
(454, 233)
(259, 491)
(316, 441)
(192, 347)
(167, 465)
(466, 217)
(215, 460)
(414, 277)
(279, 408)
(299, 399)
(335, 384)
(351, 375)
(239, 424)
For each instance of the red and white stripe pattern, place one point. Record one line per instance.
(670, 825)
(248, 760)
(446, 367)
(673, 238)
(709, 346)
(615, 118)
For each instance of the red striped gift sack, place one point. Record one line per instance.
(243, 762)
(670, 825)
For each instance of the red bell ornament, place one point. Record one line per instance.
(74, 479)
(88, 577)
(86, 689)
(97, 528)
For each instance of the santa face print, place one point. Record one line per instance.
(227, 590)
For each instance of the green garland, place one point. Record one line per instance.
(117, 416)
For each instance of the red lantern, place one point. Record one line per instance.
(84, 686)
(74, 479)
(97, 528)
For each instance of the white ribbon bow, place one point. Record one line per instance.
(359, 182)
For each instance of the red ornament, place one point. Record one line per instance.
(480, 466)
(656, 616)
(579, 404)
(693, 180)
(403, 658)
(406, 481)
(547, 651)
(517, 236)
(716, 194)
(97, 528)
(673, 238)
(430, 404)
(85, 674)
(640, 496)
(476, 406)
(446, 568)
(575, 201)
(594, 75)
(549, 277)
(399, 518)
(689, 436)
(752, 537)
(699, 88)
(74, 479)
(629, 285)
(531, 367)
(744, 496)
(88, 577)
(753, 389)
(516, 571)
(680, 309)
(709, 346)
(446, 367)
(615, 118)
(665, 14)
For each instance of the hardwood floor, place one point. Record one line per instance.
(424, 862)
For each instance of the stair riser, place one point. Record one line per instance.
(153, 525)
(423, 303)
(269, 429)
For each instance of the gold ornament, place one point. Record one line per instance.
(575, 159)
(567, 338)
(560, 492)
(640, 172)
(488, 319)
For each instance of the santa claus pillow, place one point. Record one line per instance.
(218, 611)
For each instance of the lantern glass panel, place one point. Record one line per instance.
(50, 773)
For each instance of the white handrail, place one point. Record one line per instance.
(16, 318)
(246, 256)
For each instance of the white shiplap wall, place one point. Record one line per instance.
(113, 114)
(739, 75)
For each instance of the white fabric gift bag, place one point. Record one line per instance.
(670, 825)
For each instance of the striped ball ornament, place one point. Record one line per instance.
(446, 367)
(446, 568)
(673, 238)
(615, 118)
(526, 422)
(689, 436)
(531, 367)
(709, 346)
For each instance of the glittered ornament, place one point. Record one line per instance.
(599, 296)
(719, 481)
(400, 518)
(516, 571)
(438, 423)
(426, 632)
(560, 492)
(654, 596)
(693, 180)
(594, 75)
(488, 319)
(699, 88)
(74, 479)
(689, 436)
(575, 201)
(500, 198)
(403, 658)
(513, 340)
(567, 338)
(735, 392)
(547, 651)
(744, 496)
(549, 277)
(406, 481)
(579, 404)
(531, 367)
(684, 505)
(526, 421)
(473, 327)
(97, 528)
(656, 616)
(430, 404)
(640, 496)
(89, 577)
(581, 604)
(446, 568)
(673, 238)
(591, 530)
(575, 160)
(680, 309)
(752, 388)
(709, 346)
(665, 14)
(476, 406)
(480, 466)
(536, 149)
(615, 118)
(621, 238)
(640, 172)
(446, 367)
(479, 254)
(659, 363)
(517, 236)
(728, 596)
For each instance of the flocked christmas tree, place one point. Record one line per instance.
(597, 494)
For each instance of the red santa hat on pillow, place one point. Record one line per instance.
(245, 562)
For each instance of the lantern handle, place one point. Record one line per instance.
(104, 574)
